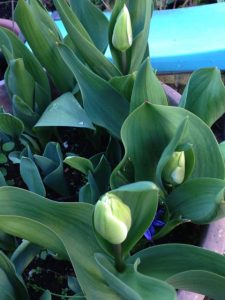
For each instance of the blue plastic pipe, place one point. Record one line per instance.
(185, 39)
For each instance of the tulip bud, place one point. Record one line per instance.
(122, 33)
(112, 219)
(174, 170)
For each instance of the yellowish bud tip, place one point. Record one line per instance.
(122, 37)
(174, 171)
(112, 218)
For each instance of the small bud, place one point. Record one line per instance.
(112, 218)
(174, 170)
(122, 33)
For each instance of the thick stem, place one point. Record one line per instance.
(119, 263)
(124, 62)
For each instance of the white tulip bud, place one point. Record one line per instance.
(122, 34)
(112, 218)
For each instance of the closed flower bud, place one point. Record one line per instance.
(112, 219)
(122, 33)
(174, 170)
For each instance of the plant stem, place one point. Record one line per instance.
(124, 62)
(119, 263)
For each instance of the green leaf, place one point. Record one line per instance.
(42, 40)
(184, 266)
(46, 295)
(147, 87)
(69, 113)
(20, 82)
(200, 200)
(51, 164)
(11, 287)
(3, 158)
(153, 127)
(11, 125)
(124, 84)
(101, 100)
(204, 95)
(15, 48)
(131, 284)
(94, 21)
(64, 228)
(83, 43)
(201, 282)
(81, 164)
(24, 112)
(23, 255)
(31, 176)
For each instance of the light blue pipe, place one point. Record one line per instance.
(185, 39)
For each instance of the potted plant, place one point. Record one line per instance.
(140, 162)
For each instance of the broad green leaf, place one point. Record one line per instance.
(124, 84)
(7, 242)
(201, 282)
(23, 255)
(147, 87)
(94, 21)
(200, 200)
(11, 286)
(101, 100)
(11, 125)
(102, 174)
(65, 228)
(204, 95)
(16, 49)
(83, 43)
(153, 127)
(81, 164)
(131, 284)
(20, 82)
(31, 176)
(165, 261)
(42, 41)
(68, 111)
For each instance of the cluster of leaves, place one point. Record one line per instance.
(69, 83)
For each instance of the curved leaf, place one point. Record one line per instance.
(68, 111)
(42, 39)
(98, 28)
(165, 261)
(200, 200)
(201, 282)
(11, 125)
(204, 95)
(11, 286)
(147, 87)
(131, 284)
(153, 127)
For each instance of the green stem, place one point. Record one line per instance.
(124, 62)
(119, 263)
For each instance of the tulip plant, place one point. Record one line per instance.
(148, 161)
